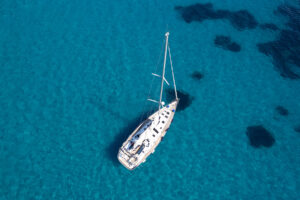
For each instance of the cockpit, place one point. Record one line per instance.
(139, 132)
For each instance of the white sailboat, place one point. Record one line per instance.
(145, 138)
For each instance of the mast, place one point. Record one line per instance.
(163, 73)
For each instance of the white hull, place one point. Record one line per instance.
(145, 138)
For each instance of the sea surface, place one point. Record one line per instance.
(75, 76)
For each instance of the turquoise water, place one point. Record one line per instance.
(74, 76)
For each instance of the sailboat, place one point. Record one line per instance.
(145, 138)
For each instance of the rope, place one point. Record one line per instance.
(172, 72)
(145, 112)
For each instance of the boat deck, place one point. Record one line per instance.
(144, 139)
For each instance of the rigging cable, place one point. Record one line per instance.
(142, 117)
(172, 72)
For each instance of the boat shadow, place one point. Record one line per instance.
(113, 149)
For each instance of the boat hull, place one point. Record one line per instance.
(146, 137)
